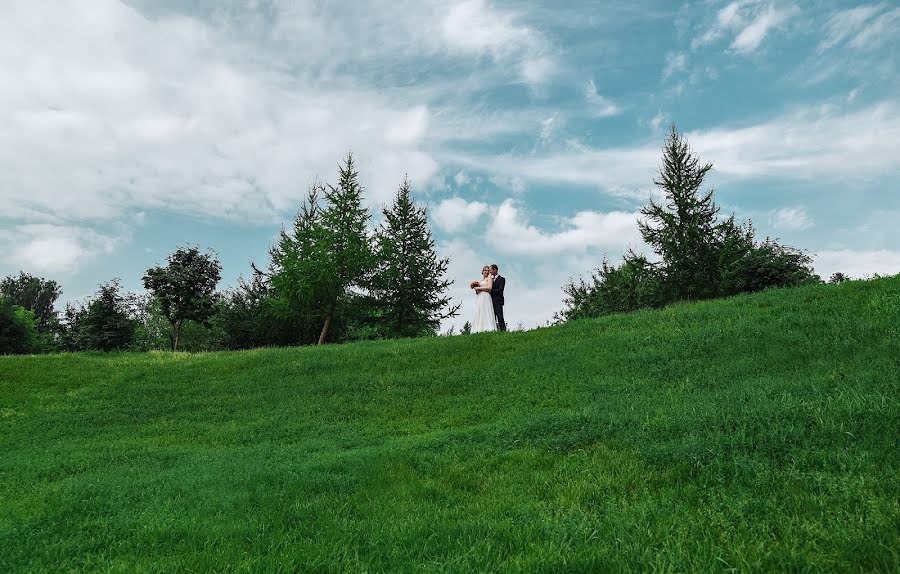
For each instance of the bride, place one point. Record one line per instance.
(484, 307)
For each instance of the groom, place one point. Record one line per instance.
(497, 296)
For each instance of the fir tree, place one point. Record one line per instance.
(684, 229)
(409, 285)
(344, 249)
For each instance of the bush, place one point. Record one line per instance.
(18, 329)
(104, 323)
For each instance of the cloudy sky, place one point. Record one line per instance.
(531, 129)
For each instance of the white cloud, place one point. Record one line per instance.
(861, 27)
(512, 233)
(802, 145)
(455, 214)
(47, 248)
(750, 38)
(461, 178)
(749, 22)
(658, 120)
(474, 27)
(113, 112)
(601, 107)
(675, 62)
(790, 218)
(857, 264)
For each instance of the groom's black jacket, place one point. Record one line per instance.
(497, 290)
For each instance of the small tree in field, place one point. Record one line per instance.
(185, 287)
(409, 283)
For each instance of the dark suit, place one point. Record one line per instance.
(497, 299)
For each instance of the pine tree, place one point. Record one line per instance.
(344, 248)
(409, 285)
(683, 230)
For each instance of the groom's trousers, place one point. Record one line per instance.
(498, 311)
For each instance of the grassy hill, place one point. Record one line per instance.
(754, 433)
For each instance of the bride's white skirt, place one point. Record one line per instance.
(484, 320)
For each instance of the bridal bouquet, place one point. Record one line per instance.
(474, 284)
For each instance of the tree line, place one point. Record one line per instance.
(328, 279)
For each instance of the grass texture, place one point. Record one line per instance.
(757, 433)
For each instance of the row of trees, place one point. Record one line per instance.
(329, 278)
(698, 254)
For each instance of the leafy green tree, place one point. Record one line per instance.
(409, 284)
(18, 328)
(837, 278)
(103, 323)
(35, 294)
(185, 287)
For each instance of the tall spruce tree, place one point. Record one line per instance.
(348, 260)
(409, 285)
(684, 229)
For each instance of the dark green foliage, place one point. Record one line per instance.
(250, 317)
(185, 288)
(683, 229)
(635, 284)
(698, 254)
(315, 269)
(409, 284)
(837, 278)
(104, 323)
(348, 260)
(750, 434)
(766, 265)
(18, 328)
(298, 284)
(35, 294)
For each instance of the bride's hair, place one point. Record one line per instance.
(486, 268)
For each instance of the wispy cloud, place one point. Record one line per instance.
(790, 219)
(801, 145)
(675, 62)
(862, 27)
(747, 23)
(600, 106)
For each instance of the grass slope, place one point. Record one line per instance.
(754, 433)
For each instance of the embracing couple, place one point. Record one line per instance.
(489, 300)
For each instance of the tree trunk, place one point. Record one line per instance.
(324, 332)
(177, 336)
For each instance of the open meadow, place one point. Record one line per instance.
(754, 433)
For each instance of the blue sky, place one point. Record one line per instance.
(531, 129)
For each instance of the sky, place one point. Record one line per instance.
(531, 130)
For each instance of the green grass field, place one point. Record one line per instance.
(758, 433)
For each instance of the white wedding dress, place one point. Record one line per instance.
(484, 320)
